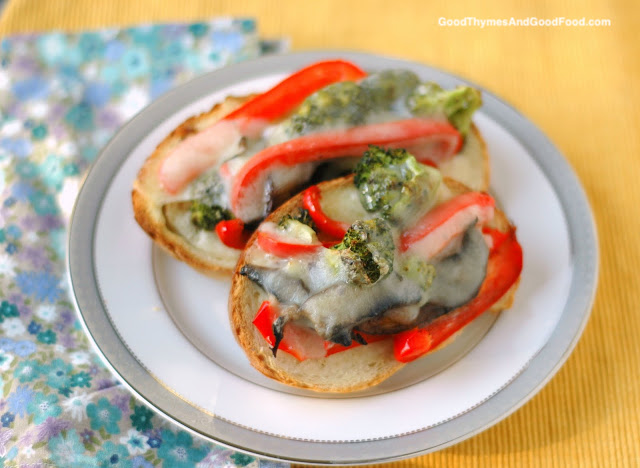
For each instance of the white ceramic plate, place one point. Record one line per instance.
(164, 330)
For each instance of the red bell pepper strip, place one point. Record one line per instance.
(300, 342)
(293, 90)
(197, 153)
(340, 143)
(271, 244)
(232, 233)
(438, 226)
(503, 270)
(311, 202)
(202, 150)
(263, 321)
(497, 237)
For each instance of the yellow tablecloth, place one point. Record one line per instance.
(580, 85)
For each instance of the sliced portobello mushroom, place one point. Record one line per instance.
(337, 310)
(459, 276)
(286, 289)
(457, 281)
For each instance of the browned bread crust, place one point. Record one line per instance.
(485, 160)
(348, 371)
(149, 198)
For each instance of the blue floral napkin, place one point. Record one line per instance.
(62, 97)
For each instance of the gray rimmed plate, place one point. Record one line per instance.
(163, 329)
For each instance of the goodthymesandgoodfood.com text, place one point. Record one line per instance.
(472, 21)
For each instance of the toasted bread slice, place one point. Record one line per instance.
(166, 219)
(347, 371)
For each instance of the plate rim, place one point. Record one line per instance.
(122, 362)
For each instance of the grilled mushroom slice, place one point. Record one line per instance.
(459, 276)
(337, 310)
(457, 281)
(286, 289)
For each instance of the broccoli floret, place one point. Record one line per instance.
(458, 105)
(349, 103)
(386, 87)
(207, 216)
(419, 271)
(301, 215)
(367, 251)
(394, 184)
(340, 103)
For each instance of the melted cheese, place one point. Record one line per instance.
(178, 219)
(343, 204)
(197, 153)
(468, 165)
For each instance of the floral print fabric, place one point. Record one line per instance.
(62, 97)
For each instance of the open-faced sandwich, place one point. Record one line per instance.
(215, 177)
(345, 283)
